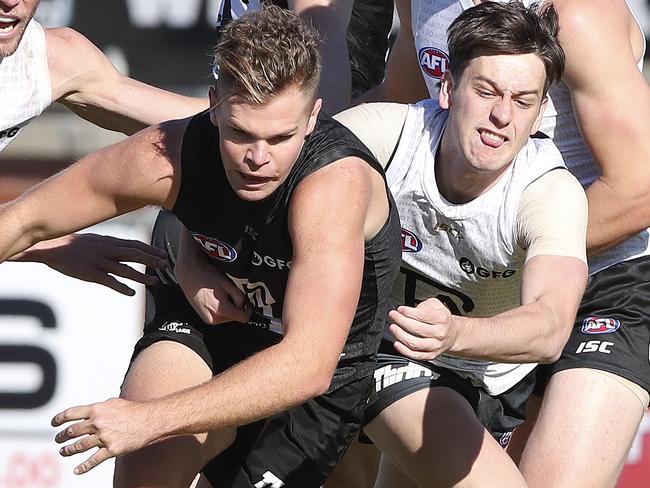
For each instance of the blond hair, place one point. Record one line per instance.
(265, 52)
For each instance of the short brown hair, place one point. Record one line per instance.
(265, 52)
(506, 28)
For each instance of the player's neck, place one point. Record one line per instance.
(457, 180)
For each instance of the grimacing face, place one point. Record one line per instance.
(496, 105)
(14, 17)
(259, 144)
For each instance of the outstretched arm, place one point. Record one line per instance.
(320, 302)
(553, 230)
(96, 91)
(613, 113)
(97, 259)
(115, 180)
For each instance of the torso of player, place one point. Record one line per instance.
(430, 19)
(466, 255)
(25, 88)
(250, 241)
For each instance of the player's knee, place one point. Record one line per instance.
(165, 464)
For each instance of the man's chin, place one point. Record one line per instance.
(256, 195)
(10, 45)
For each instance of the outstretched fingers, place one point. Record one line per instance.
(96, 459)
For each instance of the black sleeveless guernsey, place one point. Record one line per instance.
(250, 241)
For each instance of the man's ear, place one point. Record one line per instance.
(313, 115)
(538, 120)
(446, 87)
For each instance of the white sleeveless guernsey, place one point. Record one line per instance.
(25, 87)
(467, 255)
(430, 19)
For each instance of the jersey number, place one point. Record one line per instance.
(458, 303)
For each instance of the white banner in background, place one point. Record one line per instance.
(63, 342)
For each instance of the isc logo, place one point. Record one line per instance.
(410, 242)
(433, 61)
(216, 248)
(595, 346)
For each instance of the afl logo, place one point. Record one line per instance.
(600, 325)
(216, 248)
(410, 242)
(433, 61)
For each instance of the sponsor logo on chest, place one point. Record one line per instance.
(9, 133)
(470, 268)
(270, 261)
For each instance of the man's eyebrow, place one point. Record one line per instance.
(490, 82)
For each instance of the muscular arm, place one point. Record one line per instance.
(115, 180)
(553, 282)
(320, 302)
(331, 18)
(403, 81)
(86, 82)
(613, 112)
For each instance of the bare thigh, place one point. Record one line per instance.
(522, 433)
(584, 431)
(390, 476)
(434, 437)
(357, 469)
(163, 368)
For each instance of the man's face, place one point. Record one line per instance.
(14, 17)
(260, 143)
(495, 106)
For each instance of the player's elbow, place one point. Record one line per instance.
(308, 387)
(554, 344)
(550, 355)
(316, 379)
(321, 381)
(320, 385)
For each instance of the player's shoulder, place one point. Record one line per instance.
(587, 17)
(72, 49)
(70, 54)
(68, 39)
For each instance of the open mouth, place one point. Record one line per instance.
(7, 24)
(491, 139)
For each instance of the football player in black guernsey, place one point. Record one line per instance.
(291, 216)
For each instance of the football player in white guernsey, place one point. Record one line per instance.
(489, 218)
(601, 124)
(39, 66)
